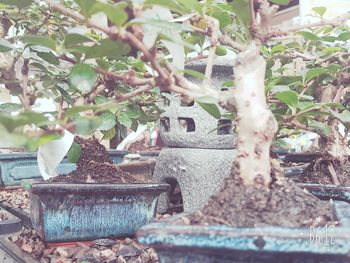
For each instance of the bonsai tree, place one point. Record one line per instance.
(141, 47)
(313, 96)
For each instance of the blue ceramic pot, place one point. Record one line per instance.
(15, 167)
(69, 212)
(203, 244)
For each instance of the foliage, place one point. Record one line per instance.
(92, 74)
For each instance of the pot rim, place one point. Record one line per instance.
(269, 239)
(24, 155)
(98, 188)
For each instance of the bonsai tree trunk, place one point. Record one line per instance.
(256, 123)
(335, 151)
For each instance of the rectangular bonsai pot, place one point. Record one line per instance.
(203, 244)
(15, 167)
(63, 212)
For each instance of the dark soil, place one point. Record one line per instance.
(141, 146)
(318, 173)
(95, 166)
(284, 204)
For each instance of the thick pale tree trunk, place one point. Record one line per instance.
(256, 124)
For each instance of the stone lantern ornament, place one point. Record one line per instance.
(199, 149)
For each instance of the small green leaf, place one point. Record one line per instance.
(10, 107)
(5, 46)
(110, 134)
(290, 98)
(74, 153)
(193, 73)
(108, 48)
(220, 51)
(115, 13)
(39, 41)
(86, 6)
(344, 36)
(309, 36)
(87, 125)
(18, 3)
(320, 126)
(123, 119)
(242, 11)
(313, 73)
(100, 99)
(77, 109)
(278, 48)
(228, 83)
(109, 120)
(74, 39)
(49, 57)
(83, 77)
(320, 10)
(208, 104)
(26, 185)
(66, 96)
(280, 2)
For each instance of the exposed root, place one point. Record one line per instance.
(333, 174)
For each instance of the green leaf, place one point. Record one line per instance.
(242, 11)
(77, 109)
(10, 107)
(344, 36)
(343, 117)
(87, 125)
(172, 5)
(39, 41)
(190, 6)
(74, 39)
(133, 111)
(123, 119)
(108, 48)
(83, 77)
(193, 73)
(331, 50)
(220, 51)
(278, 48)
(208, 104)
(18, 3)
(280, 2)
(333, 68)
(100, 99)
(290, 98)
(66, 96)
(86, 6)
(29, 117)
(320, 126)
(26, 185)
(313, 73)
(309, 36)
(228, 83)
(320, 10)
(110, 134)
(115, 13)
(74, 153)
(109, 120)
(5, 46)
(49, 57)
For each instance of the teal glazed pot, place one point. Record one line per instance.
(15, 167)
(214, 243)
(63, 212)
